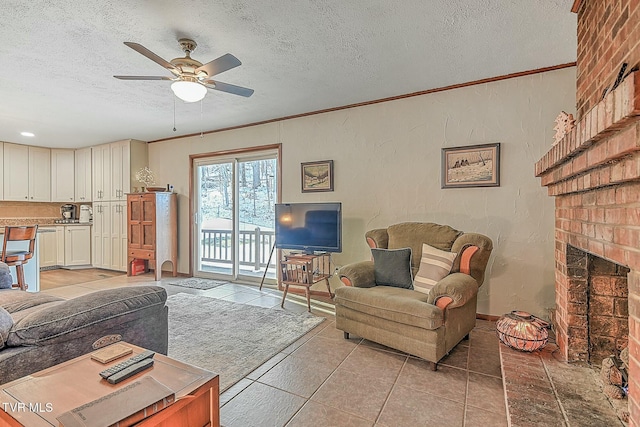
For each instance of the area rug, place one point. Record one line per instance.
(194, 283)
(228, 338)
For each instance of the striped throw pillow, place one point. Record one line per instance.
(435, 265)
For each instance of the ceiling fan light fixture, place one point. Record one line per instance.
(188, 91)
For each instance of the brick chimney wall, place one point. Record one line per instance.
(608, 36)
(594, 175)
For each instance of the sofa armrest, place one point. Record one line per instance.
(359, 275)
(95, 312)
(457, 286)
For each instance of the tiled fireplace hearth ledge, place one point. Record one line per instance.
(543, 390)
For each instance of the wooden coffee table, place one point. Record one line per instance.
(37, 399)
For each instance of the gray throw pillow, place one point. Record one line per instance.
(5, 276)
(6, 322)
(392, 267)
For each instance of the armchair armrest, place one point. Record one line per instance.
(459, 287)
(359, 275)
(378, 238)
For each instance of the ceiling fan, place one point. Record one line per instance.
(191, 78)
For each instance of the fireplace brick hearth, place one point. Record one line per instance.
(594, 175)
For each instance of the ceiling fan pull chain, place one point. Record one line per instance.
(174, 113)
(201, 120)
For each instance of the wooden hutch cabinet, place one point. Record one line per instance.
(152, 230)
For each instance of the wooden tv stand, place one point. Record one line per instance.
(305, 270)
(36, 400)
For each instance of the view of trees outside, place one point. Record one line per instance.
(256, 180)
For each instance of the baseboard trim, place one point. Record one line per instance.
(77, 267)
(489, 317)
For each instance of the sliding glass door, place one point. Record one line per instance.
(234, 222)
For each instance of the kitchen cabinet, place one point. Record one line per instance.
(39, 174)
(77, 245)
(101, 172)
(118, 234)
(152, 230)
(16, 172)
(60, 245)
(27, 173)
(83, 175)
(66, 246)
(109, 240)
(48, 247)
(127, 158)
(62, 175)
(114, 166)
(101, 239)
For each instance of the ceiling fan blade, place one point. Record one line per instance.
(152, 56)
(226, 87)
(142, 78)
(219, 65)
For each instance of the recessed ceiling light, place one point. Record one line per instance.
(29, 134)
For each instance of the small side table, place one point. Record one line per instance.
(305, 270)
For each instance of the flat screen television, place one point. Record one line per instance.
(309, 227)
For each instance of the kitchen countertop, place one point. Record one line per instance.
(40, 230)
(41, 222)
(69, 224)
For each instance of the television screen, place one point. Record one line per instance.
(310, 227)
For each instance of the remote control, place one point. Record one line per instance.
(126, 363)
(130, 371)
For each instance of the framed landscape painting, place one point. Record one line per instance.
(317, 176)
(471, 166)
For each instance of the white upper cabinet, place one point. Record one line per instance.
(16, 172)
(120, 161)
(62, 175)
(27, 173)
(113, 166)
(39, 174)
(127, 158)
(101, 172)
(83, 175)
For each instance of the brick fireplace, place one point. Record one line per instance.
(594, 175)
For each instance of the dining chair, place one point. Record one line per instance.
(17, 257)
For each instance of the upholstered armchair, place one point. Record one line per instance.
(430, 315)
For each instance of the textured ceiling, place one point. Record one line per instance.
(58, 58)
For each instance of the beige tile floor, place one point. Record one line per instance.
(325, 380)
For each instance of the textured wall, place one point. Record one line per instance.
(387, 170)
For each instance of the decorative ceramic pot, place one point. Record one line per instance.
(522, 331)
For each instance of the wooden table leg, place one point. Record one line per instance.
(329, 288)
(284, 294)
(307, 292)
